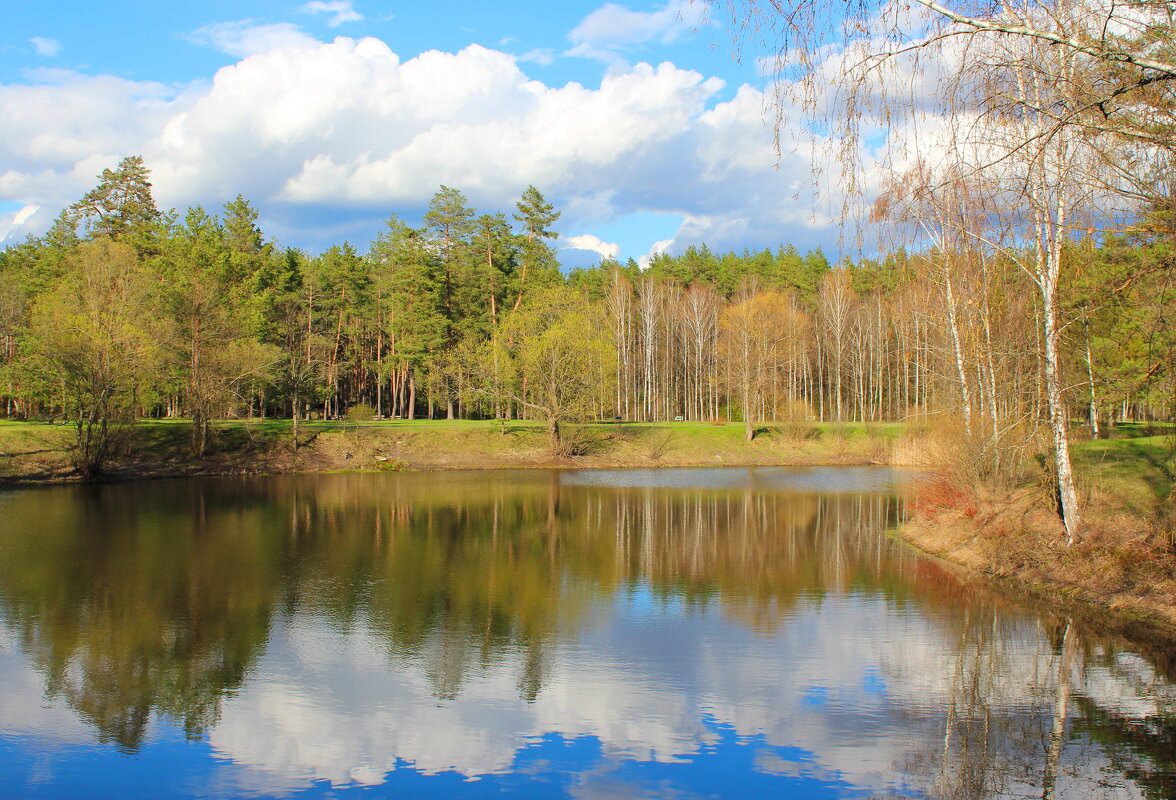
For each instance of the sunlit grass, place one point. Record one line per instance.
(1137, 470)
(1135, 466)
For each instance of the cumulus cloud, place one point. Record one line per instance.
(587, 241)
(62, 131)
(329, 138)
(341, 11)
(246, 38)
(46, 47)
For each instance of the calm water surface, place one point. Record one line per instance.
(668, 633)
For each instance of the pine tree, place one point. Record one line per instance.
(536, 215)
(121, 204)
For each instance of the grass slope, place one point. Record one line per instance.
(37, 452)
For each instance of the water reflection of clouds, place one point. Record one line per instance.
(333, 705)
(26, 711)
(640, 700)
(679, 649)
(881, 677)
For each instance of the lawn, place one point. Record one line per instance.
(1136, 471)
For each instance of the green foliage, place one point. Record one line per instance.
(465, 316)
(361, 412)
(121, 204)
(560, 353)
(537, 215)
(538, 257)
(95, 336)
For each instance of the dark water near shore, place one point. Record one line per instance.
(671, 633)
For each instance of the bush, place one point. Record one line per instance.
(1009, 456)
(361, 412)
(658, 443)
(579, 441)
(795, 430)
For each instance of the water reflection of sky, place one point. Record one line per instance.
(640, 703)
(678, 692)
(654, 693)
(828, 480)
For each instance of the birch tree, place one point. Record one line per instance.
(1033, 84)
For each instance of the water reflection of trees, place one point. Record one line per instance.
(457, 573)
(127, 612)
(1068, 714)
(135, 600)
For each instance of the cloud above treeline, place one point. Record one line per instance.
(328, 138)
(341, 11)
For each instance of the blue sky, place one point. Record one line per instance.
(636, 119)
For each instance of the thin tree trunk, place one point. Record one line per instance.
(1090, 384)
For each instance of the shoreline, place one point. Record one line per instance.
(1150, 632)
(1090, 579)
(151, 473)
(162, 450)
(1008, 537)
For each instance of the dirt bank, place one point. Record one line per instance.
(1125, 563)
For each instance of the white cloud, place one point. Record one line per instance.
(341, 9)
(14, 221)
(246, 38)
(60, 133)
(658, 248)
(543, 56)
(589, 242)
(46, 47)
(613, 26)
(329, 138)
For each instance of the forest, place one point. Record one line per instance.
(122, 311)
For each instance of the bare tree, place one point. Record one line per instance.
(1028, 93)
(835, 301)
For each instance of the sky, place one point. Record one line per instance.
(639, 120)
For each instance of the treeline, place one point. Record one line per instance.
(120, 311)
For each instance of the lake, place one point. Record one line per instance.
(677, 633)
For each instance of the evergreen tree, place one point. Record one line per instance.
(537, 216)
(121, 204)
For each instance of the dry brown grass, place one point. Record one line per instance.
(1125, 561)
(1002, 456)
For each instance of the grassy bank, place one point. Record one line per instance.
(1127, 558)
(38, 453)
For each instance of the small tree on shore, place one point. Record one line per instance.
(558, 350)
(752, 334)
(94, 334)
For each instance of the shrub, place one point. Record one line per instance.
(658, 443)
(361, 412)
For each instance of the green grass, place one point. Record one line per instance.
(1133, 466)
(1138, 471)
(35, 451)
